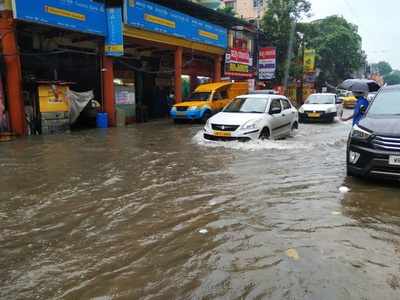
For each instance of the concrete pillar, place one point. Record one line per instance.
(217, 68)
(178, 74)
(13, 73)
(108, 89)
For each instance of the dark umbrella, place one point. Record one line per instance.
(360, 85)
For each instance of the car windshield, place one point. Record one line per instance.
(321, 99)
(247, 105)
(386, 103)
(203, 96)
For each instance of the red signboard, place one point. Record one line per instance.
(238, 56)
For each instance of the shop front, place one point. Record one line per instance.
(170, 53)
(54, 48)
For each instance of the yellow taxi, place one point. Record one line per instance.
(349, 101)
(207, 100)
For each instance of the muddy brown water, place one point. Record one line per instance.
(154, 212)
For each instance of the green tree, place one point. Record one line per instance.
(392, 78)
(227, 10)
(279, 26)
(383, 67)
(338, 47)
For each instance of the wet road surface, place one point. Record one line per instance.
(155, 212)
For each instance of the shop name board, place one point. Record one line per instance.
(267, 63)
(80, 15)
(149, 16)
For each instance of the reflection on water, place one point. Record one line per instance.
(155, 212)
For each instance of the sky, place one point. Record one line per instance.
(378, 22)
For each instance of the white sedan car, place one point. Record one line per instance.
(251, 117)
(321, 107)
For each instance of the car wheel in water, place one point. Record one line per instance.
(265, 134)
(206, 116)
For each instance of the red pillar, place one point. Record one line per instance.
(13, 74)
(178, 74)
(108, 89)
(217, 68)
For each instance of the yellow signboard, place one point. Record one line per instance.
(53, 98)
(309, 60)
(159, 21)
(64, 13)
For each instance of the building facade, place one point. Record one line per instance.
(247, 9)
(132, 55)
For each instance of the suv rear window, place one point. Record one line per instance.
(386, 103)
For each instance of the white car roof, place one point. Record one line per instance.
(324, 94)
(262, 96)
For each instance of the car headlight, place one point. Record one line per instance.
(361, 134)
(208, 125)
(301, 110)
(249, 125)
(173, 108)
(193, 108)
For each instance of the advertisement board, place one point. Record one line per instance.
(238, 63)
(115, 36)
(150, 16)
(267, 63)
(80, 15)
(309, 60)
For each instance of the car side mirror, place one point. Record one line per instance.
(363, 109)
(275, 110)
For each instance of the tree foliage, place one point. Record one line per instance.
(338, 47)
(383, 67)
(277, 25)
(392, 78)
(227, 10)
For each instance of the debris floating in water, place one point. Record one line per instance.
(292, 253)
(203, 231)
(336, 213)
(212, 202)
(344, 189)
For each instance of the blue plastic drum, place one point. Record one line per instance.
(102, 120)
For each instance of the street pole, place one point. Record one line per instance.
(289, 55)
(302, 73)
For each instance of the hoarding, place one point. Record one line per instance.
(149, 16)
(115, 36)
(267, 63)
(238, 63)
(80, 15)
(309, 60)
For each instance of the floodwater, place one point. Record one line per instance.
(154, 212)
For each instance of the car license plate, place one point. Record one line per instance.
(314, 115)
(394, 160)
(222, 133)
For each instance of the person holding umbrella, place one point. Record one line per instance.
(360, 108)
(360, 89)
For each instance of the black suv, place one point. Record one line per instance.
(374, 144)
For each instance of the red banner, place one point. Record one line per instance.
(238, 56)
(268, 53)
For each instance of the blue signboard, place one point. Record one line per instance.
(115, 37)
(150, 16)
(79, 15)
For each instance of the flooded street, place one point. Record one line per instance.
(155, 212)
